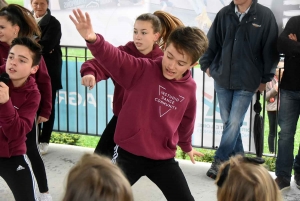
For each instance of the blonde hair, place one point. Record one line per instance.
(168, 24)
(96, 178)
(242, 178)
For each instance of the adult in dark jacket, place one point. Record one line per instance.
(241, 58)
(50, 41)
(289, 99)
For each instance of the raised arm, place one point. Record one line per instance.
(125, 69)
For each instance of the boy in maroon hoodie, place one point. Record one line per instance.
(19, 102)
(149, 35)
(159, 105)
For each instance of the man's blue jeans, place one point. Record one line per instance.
(233, 107)
(287, 118)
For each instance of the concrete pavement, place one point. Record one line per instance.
(61, 158)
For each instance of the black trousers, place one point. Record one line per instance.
(17, 173)
(166, 174)
(46, 128)
(36, 160)
(106, 143)
(272, 129)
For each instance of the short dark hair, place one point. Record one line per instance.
(33, 46)
(190, 40)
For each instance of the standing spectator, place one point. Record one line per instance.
(50, 42)
(272, 106)
(19, 102)
(289, 112)
(241, 58)
(17, 21)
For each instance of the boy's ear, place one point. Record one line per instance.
(34, 69)
(196, 63)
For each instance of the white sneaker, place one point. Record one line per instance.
(43, 148)
(45, 196)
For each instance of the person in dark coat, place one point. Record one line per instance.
(241, 58)
(289, 99)
(50, 41)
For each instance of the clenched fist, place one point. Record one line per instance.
(4, 93)
(88, 81)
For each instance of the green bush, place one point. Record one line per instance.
(209, 157)
(64, 138)
(270, 163)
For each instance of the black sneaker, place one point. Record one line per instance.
(297, 179)
(282, 183)
(214, 168)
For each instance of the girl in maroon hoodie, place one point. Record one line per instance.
(17, 21)
(149, 35)
(19, 102)
(159, 105)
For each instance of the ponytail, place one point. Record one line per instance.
(22, 17)
(168, 24)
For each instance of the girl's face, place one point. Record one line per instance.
(8, 32)
(144, 36)
(39, 7)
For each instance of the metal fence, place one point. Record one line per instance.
(75, 116)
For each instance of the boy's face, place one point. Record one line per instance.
(144, 36)
(19, 65)
(175, 64)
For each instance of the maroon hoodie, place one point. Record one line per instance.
(157, 113)
(17, 116)
(92, 67)
(42, 79)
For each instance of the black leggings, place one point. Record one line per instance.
(106, 143)
(47, 128)
(36, 160)
(166, 174)
(17, 173)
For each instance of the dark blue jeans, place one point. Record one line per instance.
(287, 120)
(233, 107)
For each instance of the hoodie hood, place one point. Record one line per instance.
(131, 49)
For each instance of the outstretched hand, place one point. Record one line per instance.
(83, 25)
(193, 153)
